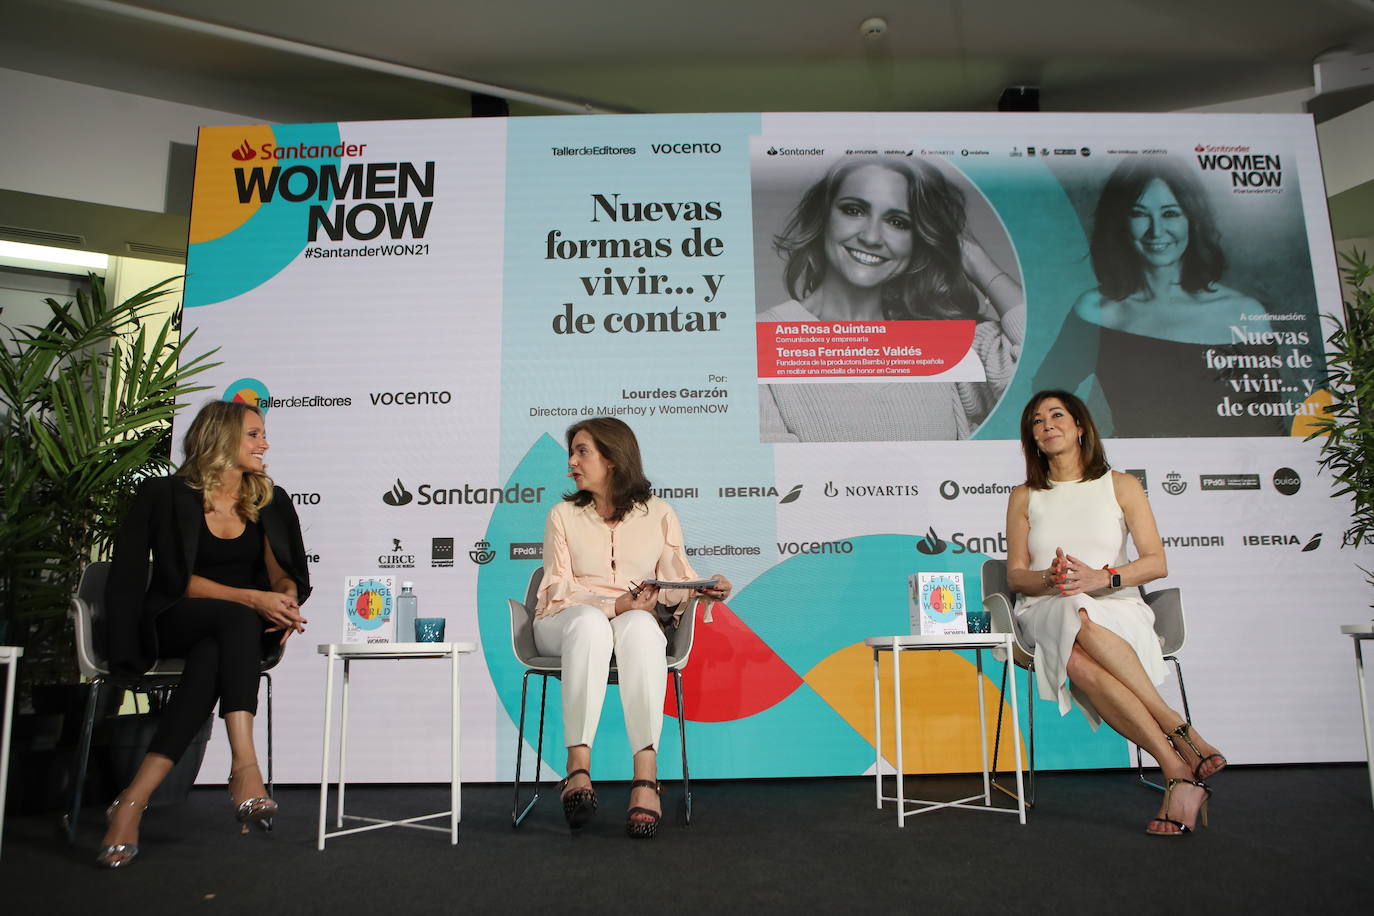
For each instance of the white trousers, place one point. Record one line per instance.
(585, 638)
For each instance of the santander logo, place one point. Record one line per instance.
(244, 152)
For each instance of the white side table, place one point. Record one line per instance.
(349, 653)
(1359, 632)
(9, 657)
(977, 642)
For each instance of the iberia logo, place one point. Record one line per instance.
(244, 152)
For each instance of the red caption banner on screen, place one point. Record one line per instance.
(888, 351)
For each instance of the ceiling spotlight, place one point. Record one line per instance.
(873, 27)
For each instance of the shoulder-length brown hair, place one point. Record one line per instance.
(617, 444)
(1037, 465)
(1119, 267)
(932, 285)
(212, 447)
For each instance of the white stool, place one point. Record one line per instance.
(351, 652)
(977, 642)
(9, 657)
(1359, 632)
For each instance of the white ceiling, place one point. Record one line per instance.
(706, 55)
(312, 60)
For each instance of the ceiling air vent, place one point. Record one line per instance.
(144, 250)
(42, 237)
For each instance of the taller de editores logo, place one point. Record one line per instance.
(249, 391)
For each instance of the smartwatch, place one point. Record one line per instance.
(1114, 577)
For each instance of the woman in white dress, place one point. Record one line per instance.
(1080, 606)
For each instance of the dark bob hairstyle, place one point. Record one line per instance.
(932, 285)
(1119, 267)
(1037, 465)
(617, 444)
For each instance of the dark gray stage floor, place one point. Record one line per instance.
(1283, 839)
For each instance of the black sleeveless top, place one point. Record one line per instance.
(235, 562)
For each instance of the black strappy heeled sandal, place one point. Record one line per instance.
(1213, 763)
(580, 804)
(643, 830)
(1168, 798)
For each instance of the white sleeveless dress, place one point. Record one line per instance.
(1084, 518)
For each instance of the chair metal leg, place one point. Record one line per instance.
(267, 824)
(1187, 715)
(83, 754)
(682, 740)
(517, 814)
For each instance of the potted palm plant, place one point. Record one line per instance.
(86, 403)
(1347, 449)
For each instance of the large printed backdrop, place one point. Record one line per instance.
(422, 308)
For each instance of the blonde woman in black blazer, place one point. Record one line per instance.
(209, 566)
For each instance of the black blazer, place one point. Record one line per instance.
(165, 523)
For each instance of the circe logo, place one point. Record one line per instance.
(1174, 483)
(397, 495)
(930, 545)
(244, 152)
(1287, 481)
(481, 553)
(249, 391)
(949, 489)
(830, 489)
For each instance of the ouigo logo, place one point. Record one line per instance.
(244, 152)
(249, 391)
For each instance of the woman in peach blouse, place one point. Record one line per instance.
(600, 544)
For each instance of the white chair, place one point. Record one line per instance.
(87, 613)
(998, 601)
(9, 657)
(547, 666)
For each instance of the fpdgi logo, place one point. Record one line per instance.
(249, 391)
(1287, 481)
(397, 495)
(244, 152)
(481, 553)
(931, 545)
(1174, 483)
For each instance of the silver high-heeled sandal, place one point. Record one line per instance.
(116, 855)
(257, 810)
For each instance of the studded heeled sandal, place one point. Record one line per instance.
(1208, 765)
(643, 829)
(1168, 797)
(117, 855)
(580, 804)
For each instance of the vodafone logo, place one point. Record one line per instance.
(244, 152)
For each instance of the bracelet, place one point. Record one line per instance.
(1000, 273)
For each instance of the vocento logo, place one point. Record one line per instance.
(249, 391)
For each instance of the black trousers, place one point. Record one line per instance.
(223, 643)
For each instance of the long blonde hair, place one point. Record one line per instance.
(212, 447)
